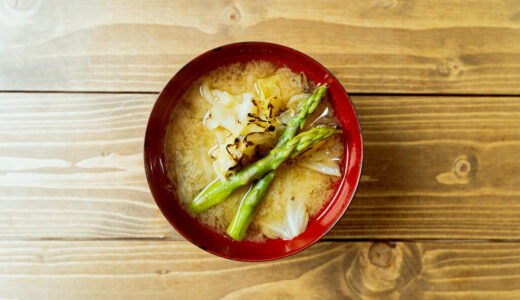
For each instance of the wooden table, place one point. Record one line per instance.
(436, 85)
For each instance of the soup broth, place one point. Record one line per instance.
(301, 181)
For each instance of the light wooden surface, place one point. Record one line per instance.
(177, 270)
(440, 177)
(435, 167)
(419, 46)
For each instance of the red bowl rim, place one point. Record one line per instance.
(149, 173)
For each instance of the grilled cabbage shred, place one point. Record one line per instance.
(247, 122)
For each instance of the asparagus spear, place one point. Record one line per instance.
(305, 110)
(249, 204)
(219, 190)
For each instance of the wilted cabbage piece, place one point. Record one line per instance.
(322, 161)
(286, 223)
(295, 101)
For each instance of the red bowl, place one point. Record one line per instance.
(163, 189)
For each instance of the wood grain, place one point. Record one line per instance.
(389, 46)
(179, 270)
(435, 167)
(71, 166)
(77, 220)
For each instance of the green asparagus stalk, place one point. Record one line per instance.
(248, 206)
(305, 110)
(250, 202)
(219, 190)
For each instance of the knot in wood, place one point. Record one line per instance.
(233, 14)
(449, 67)
(461, 166)
(380, 268)
(381, 255)
(464, 167)
(162, 272)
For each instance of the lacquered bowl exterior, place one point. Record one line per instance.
(163, 189)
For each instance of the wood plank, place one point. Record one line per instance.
(343, 270)
(435, 167)
(71, 166)
(386, 46)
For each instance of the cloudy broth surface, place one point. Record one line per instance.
(189, 142)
